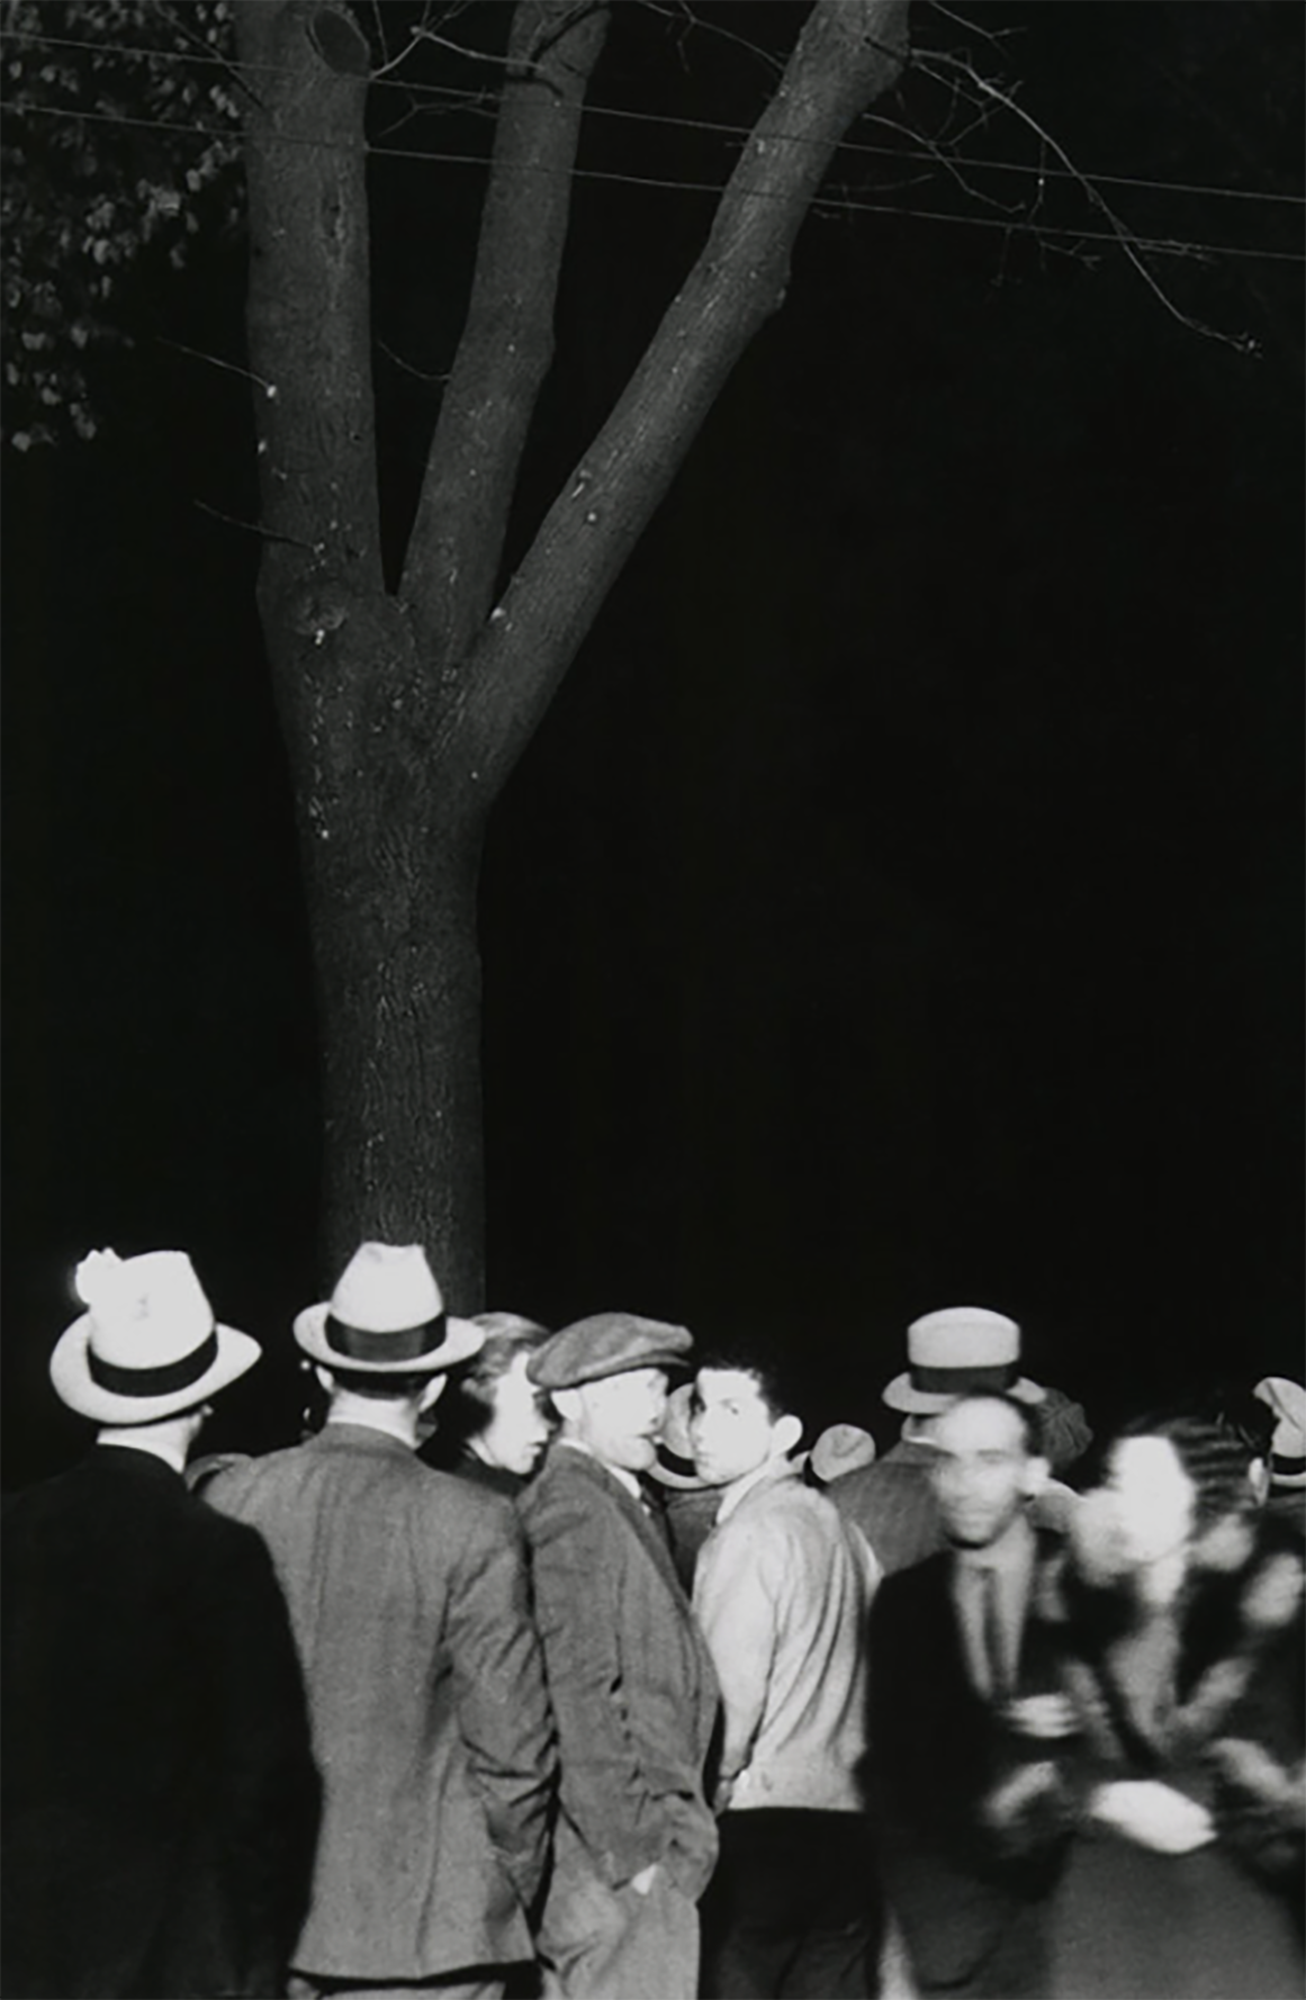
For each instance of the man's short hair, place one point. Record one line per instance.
(772, 1373)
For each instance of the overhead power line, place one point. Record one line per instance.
(488, 99)
(825, 204)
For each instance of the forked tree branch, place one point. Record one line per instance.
(849, 53)
(507, 343)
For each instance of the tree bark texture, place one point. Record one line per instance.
(403, 714)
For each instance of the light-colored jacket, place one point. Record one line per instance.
(407, 1591)
(783, 1592)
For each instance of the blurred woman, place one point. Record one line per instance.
(1184, 1663)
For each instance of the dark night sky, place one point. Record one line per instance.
(900, 905)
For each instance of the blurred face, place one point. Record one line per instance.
(519, 1425)
(1153, 1499)
(983, 1473)
(730, 1427)
(620, 1417)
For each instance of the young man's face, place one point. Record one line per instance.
(730, 1425)
(984, 1470)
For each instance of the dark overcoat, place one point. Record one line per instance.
(938, 1754)
(159, 1794)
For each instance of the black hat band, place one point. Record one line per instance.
(963, 1381)
(159, 1381)
(406, 1343)
(1286, 1468)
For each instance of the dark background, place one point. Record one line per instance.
(901, 904)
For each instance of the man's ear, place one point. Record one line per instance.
(432, 1393)
(567, 1402)
(1258, 1478)
(1037, 1474)
(325, 1379)
(785, 1433)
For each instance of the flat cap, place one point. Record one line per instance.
(607, 1344)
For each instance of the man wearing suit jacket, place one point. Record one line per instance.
(408, 1596)
(159, 1795)
(964, 1704)
(629, 1675)
(950, 1353)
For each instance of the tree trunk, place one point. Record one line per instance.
(404, 714)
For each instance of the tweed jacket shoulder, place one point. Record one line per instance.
(892, 1502)
(630, 1678)
(160, 1800)
(408, 1595)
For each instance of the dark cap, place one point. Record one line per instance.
(607, 1344)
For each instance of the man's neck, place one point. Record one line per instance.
(396, 1420)
(620, 1473)
(158, 1442)
(739, 1489)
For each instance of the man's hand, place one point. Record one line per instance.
(643, 1882)
(1046, 1717)
(1153, 1815)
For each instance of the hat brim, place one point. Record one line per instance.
(462, 1339)
(840, 1449)
(901, 1395)
(74, 1384)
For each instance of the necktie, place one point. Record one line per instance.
(993, 1635)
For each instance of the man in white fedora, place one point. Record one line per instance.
(159, 1795)
(958, 1351)
(408, 1595)
(1286, 1497)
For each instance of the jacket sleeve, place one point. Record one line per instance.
(268, 1794)
(606, 1790)
(500, 1698)
(736, 1600)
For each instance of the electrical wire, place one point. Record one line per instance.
(485, 99)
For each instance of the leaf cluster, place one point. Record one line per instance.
(119, 143)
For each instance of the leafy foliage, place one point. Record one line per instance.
(120, 136)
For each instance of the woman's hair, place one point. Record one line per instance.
(468, 1402)
(1216, 1456)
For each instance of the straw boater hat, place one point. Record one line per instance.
(961, 1351)
(1288, 1445)
(147, 1346)
(386, 1317)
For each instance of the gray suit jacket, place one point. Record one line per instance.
(630, 1677)
(407, 1591)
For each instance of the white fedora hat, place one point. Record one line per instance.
(386, 1317)
(1288, 1445)
(148, 1346)
(960, 1351)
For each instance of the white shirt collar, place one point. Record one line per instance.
(362, 1414)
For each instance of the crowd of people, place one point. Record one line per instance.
(566, 1664)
